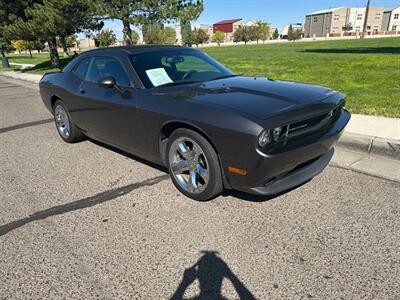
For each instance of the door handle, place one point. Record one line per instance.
(82, 91)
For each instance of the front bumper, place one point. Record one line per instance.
(272, 174)
(294, 178)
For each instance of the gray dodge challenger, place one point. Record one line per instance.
(212, 129)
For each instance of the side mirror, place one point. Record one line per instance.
(109, 82)
(106, 82)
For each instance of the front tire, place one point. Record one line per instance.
(193, 165)
(65, 128)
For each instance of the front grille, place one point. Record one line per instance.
(313, 124)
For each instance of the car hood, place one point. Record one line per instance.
(259, 97)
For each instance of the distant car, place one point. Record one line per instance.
(212, 129)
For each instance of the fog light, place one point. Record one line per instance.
(264, 138)
(277, 133)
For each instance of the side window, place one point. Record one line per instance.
(107, 66)
(82, 68)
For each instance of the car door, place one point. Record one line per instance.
(74, 101)
(109, 116)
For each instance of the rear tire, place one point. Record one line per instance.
(65, 128)
(193, 165)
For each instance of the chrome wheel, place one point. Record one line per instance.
(62, 121)
(189, 165)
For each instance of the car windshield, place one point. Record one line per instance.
(176, 67)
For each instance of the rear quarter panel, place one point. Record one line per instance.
(59, 85)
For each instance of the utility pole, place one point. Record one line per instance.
(366, 19)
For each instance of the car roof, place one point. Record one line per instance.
(123, 50)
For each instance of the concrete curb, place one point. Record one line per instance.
(370, 145)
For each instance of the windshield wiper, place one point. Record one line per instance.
(180, 82)
(223, 77)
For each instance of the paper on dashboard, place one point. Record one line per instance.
(158, 76)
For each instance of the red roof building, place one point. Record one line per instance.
(227, 26)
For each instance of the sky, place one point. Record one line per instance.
(277, 12)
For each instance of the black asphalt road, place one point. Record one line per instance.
(84, 221)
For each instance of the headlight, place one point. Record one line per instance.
(276, 133)
(264, 138)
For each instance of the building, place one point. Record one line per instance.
(391, 19)
(323, 22)
(342, 19)
(228, 27)
(250, 23)
(356, 19)
(207, 28)
(119, 42)
(86, 44)
(295, 26)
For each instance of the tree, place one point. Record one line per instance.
(134, 37)
(275, 35)
(71, 41)
(298, 34)
(39, 44)
(290, 33)
(244, 34)
(143, 13)
(218, 37)
(188, 12)
(156, 36)
(21, 45)
(151, 34)
(168, 36)
(199, 36)
(66, 43)
(52, 19)
(105, 38)
(186, 32)
(10, 11)
(294, 35)
(262, 31)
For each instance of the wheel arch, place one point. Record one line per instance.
(169, 127)
(53, 100)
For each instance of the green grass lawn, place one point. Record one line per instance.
(367, 71)
(24, 58)
(8, 69)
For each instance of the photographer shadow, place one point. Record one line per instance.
(210, 270)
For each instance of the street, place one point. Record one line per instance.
(86, 221)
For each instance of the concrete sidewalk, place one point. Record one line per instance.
(368, 134)
(380, 127)
(35, 78)
(23, 66)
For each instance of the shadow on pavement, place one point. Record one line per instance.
(80, 204)
(25, 125)
(210, 270)
(258, 198)
(130, 156)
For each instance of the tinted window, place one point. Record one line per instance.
(171, 66)
(106, 66)
(82, 68)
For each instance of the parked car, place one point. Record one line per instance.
(213, 130)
